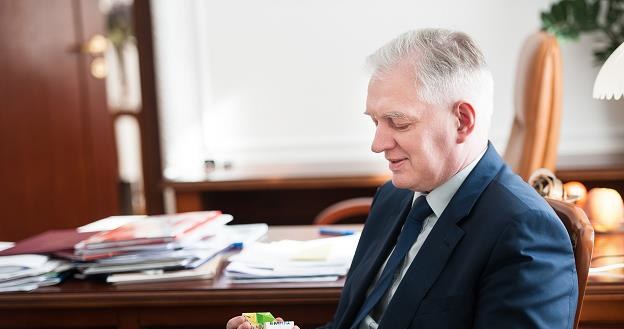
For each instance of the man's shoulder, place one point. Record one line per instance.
(513, 197)
(511, 209)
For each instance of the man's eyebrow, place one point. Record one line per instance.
(393, 115)
(398, 115)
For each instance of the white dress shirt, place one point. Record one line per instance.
(438, 199)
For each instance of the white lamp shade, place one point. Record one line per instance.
(610, 80)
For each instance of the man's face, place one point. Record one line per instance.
(417, 139)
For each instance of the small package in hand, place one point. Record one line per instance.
(258, 319)
(279, 325)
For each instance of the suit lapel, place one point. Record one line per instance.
(439, 246)
(362, 276)
(423, 272)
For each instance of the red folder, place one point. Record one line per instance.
(47, 242)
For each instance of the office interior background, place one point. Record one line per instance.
(251, 107)
(194, 91)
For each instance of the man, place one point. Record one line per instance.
(456, 240)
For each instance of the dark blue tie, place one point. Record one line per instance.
(412, 227)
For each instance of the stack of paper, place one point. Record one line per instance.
(169, 242)
(291, 261)
(154, 245)
(28, 272)
(230, 236)
(185, 262)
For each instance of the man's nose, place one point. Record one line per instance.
(383, 140)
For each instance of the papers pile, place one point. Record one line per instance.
(126, 249)
(28, 272)
(168, 242)
(293, 261)
(230, 236)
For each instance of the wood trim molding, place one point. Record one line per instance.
(148, 116)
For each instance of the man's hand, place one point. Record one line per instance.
(239, 322)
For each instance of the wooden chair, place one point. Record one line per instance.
(350, 208)
(573, 218)
(582, 236)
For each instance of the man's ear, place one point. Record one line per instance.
(466, 117)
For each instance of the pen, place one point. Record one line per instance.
(334, 231)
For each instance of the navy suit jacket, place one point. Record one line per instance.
(498, 257)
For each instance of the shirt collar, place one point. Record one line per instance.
(440, 197)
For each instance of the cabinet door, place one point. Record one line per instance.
(58, 165)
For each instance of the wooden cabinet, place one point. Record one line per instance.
(58, 164)
(280, 194)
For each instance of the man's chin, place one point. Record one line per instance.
(400, 183)
(407, 184)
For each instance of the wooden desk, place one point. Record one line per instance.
(209, 304)
(604, 297)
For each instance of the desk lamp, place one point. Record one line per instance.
(610, 80)
(605, 205)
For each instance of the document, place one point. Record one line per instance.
(6, 245)
(28, 272)
(289, 259)
(109, 223)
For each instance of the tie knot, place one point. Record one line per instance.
(420, 209)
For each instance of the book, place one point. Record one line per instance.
(158, 230)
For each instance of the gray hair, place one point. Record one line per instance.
(448, 66)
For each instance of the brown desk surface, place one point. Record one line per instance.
(208, 304)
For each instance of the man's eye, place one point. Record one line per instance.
(375, 122)
(399, 125)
